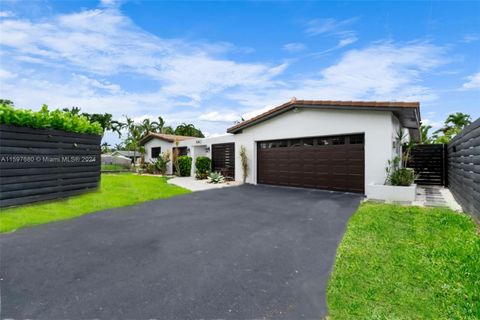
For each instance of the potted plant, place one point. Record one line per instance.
(399, 185)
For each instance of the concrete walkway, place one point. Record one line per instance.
(193, 184)
(436, 196)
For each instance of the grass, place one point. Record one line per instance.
(398, 262)
(114, 167)
(116, 190)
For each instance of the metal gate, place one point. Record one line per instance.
(429, 162)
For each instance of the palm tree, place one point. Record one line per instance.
(459, 120)
(147, 126)
(118, 146)
(424, 133)
(105, 147)
(168, 130)
(160, 124)
(453, 125)
(185, 129)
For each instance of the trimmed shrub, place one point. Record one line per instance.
(185, 165)
(45, 119)
(202, 165)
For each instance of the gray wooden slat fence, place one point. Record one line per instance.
(45, 164)
(464, 168)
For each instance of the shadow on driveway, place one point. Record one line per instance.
(244, 252)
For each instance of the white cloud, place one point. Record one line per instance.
(5, 74)
(470, 38)
(102, 43)
(335, 28)
(473, 82)
(6, 14)
(383, 71)
(435, 124)
(216, 116)
(84, 59)
(295, 47)
(330, 25)
(347, 41)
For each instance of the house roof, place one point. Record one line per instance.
(408, 113)
(163, 136)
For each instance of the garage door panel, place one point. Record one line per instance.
(324, 166)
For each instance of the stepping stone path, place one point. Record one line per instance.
(433, 196)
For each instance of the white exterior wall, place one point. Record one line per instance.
(379, 127)
(376, 125)
(198, 147)
(164, 145)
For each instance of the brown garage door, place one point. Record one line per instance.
(223, 159)
(333, 163)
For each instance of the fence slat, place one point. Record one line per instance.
(464, 168)
(45, 164)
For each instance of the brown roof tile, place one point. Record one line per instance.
(329, 103)
(165, 137)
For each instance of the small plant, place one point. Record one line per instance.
(397, 176)
(243, 157)
(162, 162)
(216, 177)
(202, 165)
(184, 165)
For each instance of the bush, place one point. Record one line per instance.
(185, 165)
(162, 162)
(216, 177)
(150, 168)
(202, 165)
(44, 119)
(397, 176)
(402, 177)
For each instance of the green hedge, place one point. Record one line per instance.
(185, 165)
(203, 164)
(45, 119)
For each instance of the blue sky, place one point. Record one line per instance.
(210, 63)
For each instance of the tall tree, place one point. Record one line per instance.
(7, 102)
(147, 126)
(453, 125)
(168, 130)
(424, 132)
(185, 129)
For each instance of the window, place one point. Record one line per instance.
(322, 142)
(356, 139)
(295, 143)
(282, 144)
(156, 152)
(307, 142)
(338, 140)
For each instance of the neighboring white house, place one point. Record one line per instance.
(333, 145)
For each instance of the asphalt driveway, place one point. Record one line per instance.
(247, 252)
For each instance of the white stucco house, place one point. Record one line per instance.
(332, 145)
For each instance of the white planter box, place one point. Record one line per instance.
(392, 193)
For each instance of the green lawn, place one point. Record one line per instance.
(399, 262)
(116, 190)
(114, 167)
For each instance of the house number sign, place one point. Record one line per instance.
(48, 159)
